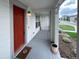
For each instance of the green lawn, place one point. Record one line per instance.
(72, 34)
(67, 27)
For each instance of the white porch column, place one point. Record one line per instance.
(57, 26)
(54, 26)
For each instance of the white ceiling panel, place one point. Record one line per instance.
(39, 4)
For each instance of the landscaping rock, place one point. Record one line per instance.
(66, 39)
(66, 35)
(75, 51)
(66, 49)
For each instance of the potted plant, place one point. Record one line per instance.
(54, 48)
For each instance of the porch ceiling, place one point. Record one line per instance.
(42, 7)
(39, 4)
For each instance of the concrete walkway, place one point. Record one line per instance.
(41, 47)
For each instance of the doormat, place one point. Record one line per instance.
(23, 54)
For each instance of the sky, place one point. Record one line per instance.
(69, 7)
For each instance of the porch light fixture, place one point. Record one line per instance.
(29, 13)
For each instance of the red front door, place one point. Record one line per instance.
(19, 40)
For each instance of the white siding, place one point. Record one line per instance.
(31, 29)
(44, 20)
(5, 29)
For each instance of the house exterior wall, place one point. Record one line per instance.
(44, 20)
(5, 29)
(31, 29)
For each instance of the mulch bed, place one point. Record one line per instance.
(66, 49)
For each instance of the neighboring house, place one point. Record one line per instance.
(71, 19)
(64, 18)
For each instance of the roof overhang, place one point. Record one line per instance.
(42, 6)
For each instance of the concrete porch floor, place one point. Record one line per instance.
(41, 47)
